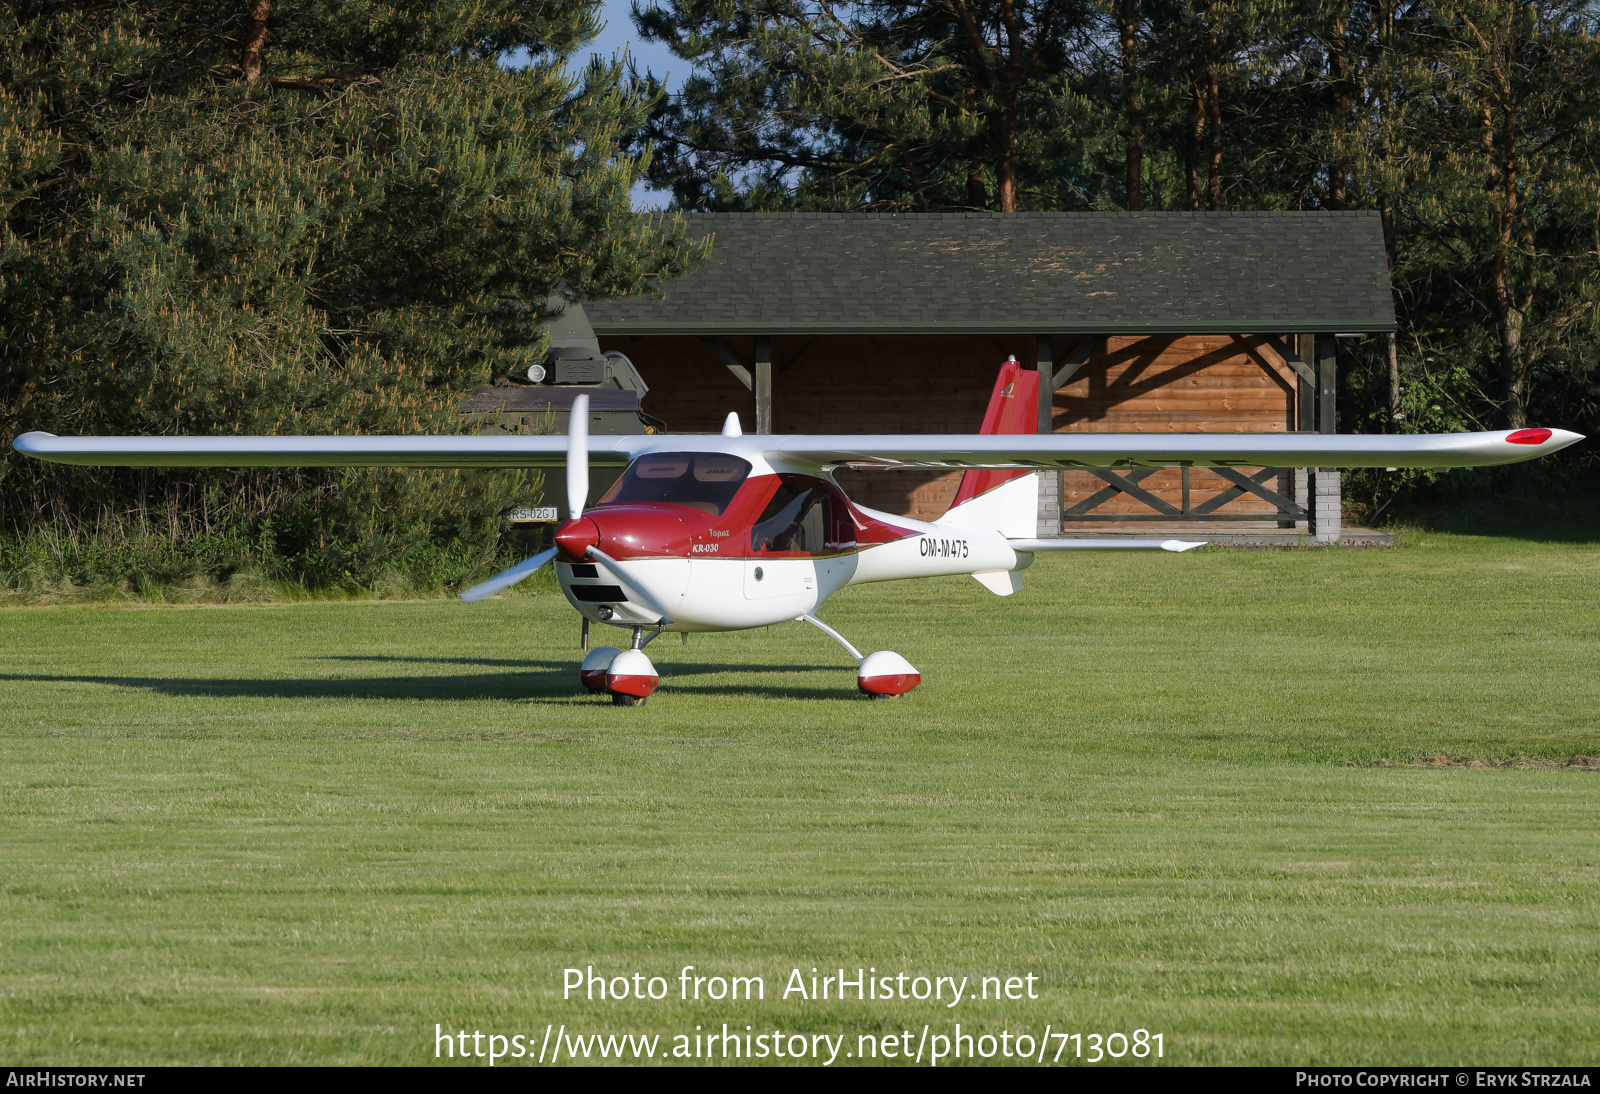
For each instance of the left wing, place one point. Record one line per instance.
(1110, 450)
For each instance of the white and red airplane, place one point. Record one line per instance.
(716, 533)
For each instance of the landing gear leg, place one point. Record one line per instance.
(833, 634)
(583, 638)
(882, 675)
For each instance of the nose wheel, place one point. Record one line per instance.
(628, 676)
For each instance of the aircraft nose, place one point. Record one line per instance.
(575, 537)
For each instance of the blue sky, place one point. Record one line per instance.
(619, 34)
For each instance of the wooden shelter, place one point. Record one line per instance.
(1138, 322)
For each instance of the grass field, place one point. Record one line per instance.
(310, 832)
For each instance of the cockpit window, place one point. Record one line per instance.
(805, 516)
(706, 481)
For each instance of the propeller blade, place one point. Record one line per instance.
(507, 578)
(578, 457)
(630, 586)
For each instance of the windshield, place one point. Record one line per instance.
(706, 481)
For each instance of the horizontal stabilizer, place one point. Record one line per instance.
(1105, 543)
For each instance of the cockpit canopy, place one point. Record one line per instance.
(706, 481)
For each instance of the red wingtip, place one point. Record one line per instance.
(1528, 436)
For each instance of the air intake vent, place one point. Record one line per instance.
(594, 370)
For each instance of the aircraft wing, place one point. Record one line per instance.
(957, 451)
(502, 451)
(1110, 450)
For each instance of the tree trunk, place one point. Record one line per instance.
(1343, 100)
(1391, 341)
(1014, 73)
(1214, 168)
(1391, 348)
(977, 185)
(1191, 162)
(255, 40)
(1005, 163)
(1508, 321)
(1508, 317)
(1133, 157)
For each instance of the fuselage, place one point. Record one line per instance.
(697, 541)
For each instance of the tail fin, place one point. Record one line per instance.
(991, 499)
(1013, 408)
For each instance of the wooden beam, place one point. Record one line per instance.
(1128, 485)
(1079, 358)
(763, 383)
(1047, 385)
(1252, 484)
(726, 356)
(1327, 383)
(1290, 358)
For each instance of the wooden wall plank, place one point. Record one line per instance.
(882, 384)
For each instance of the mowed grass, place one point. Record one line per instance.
(310, 832)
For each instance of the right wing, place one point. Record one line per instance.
(506, 451)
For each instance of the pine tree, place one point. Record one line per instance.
(1518, 139)
(888, 104)
(258, 217)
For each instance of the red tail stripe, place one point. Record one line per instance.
(1013, 409)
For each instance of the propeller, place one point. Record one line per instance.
(577, 495)
(635, 592)
(578, 458)
(507, 578)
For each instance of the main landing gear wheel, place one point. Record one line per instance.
(622, 699)
(886, 675)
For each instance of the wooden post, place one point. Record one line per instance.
(1306, 399)
(1047, 384)
(1326, 504)
(1049, 512)
(763, 379)
(1327, 382)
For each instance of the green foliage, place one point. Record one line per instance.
(347, 243)
(1471, 126)
(882, 105)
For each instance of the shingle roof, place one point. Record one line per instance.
(1039, 273)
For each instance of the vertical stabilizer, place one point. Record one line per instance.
(1003, 501)
(1013, 408)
